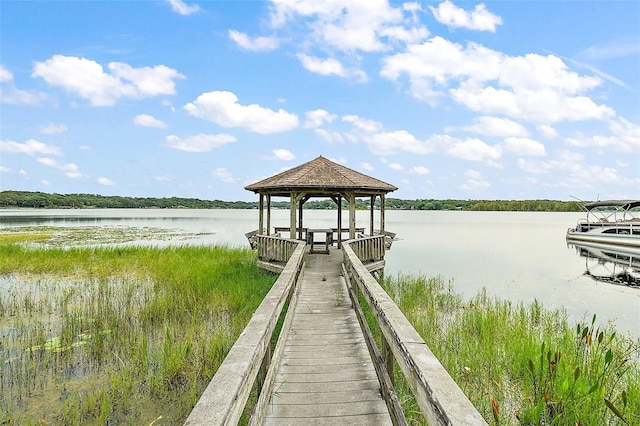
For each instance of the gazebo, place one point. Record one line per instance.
(320, 178)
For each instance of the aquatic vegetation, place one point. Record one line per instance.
(522, 364)
(67, 236)
(118, 335)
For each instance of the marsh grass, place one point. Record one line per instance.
(522, 364)
(119, 335)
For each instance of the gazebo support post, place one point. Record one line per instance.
(268, 214)
(382, 214)
(373, 205)
(292, 216)
(352, 215)
(261, 213)
(300, 204)
(339, 202)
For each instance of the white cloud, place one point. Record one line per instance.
(69, 169)
(330, 137)
(453, 16)
(5, 75)
(330, 66)
(146, 120)
(532, 87)
(257, 44)
(343, 29)
(624, 137)
(566, 162)
(12, 95)
(547, 131)
(322, 66)
(537, 106)
(524, 147)
(182, 8)
(88, 80)
(4, 169)
(473, 149)
(317, 118)
(387, 143)
(495, 126)
(365, 25)
(30, 147)
(475, 181)
(148, 81)
(45, 182)
(223, 109)
(363, 124)
(420, 170)
(368, 167)
(105, 181)
(52, 129)
(572, 173)
(199, 143)
(396, 166)
(283, 155)
(224, 175)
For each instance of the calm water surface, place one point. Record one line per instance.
(519, 256)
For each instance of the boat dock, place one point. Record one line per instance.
(326, 368)
(308, 356)
(325, 375)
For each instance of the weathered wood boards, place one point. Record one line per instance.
(325, 375)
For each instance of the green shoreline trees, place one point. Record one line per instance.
(27, 199)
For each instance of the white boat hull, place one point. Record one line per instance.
(597, 236)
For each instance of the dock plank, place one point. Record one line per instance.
(325, 376)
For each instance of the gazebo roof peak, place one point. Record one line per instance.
(320, 174)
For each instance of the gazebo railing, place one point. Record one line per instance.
(369, 249)
(274, 248)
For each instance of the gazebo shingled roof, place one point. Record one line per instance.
(323, 175)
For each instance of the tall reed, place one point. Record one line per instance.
(120, 335)
(523, 364)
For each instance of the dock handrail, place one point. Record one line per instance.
(368, 249)
(224, 399)
(274, 248)
(440, 399)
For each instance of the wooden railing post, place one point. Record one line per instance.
(387, 357)
(264, 367)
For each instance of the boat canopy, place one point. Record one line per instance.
(621, 204)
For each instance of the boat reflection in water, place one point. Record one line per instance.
(610, 264)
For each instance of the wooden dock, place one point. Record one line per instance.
(325, 375)
(326, 368)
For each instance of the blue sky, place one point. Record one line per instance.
(453, 99)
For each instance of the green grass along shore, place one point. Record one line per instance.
(118, 335)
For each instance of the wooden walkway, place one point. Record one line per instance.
(325, 376)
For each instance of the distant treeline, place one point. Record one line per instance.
(25, 199)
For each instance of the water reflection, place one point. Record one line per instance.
(610, 264)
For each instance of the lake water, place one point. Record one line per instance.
(520, 256)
